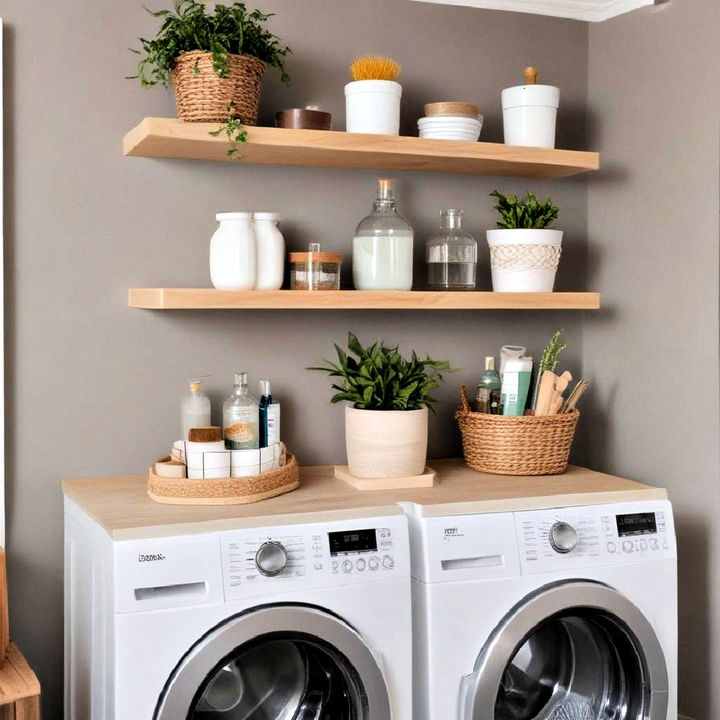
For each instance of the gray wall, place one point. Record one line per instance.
(653, 238)
(94, 386)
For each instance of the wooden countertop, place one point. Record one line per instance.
(121, 505)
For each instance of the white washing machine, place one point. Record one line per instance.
(298, 622)
(553, 614)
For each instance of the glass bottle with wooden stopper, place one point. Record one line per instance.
(383, 245)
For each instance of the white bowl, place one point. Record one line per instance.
(447, 135)
(444, 121)
(445, 127)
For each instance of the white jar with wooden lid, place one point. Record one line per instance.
(530, 112)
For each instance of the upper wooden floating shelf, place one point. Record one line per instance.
(171, 138)
(209, 299)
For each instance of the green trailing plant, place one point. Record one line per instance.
(230, 29)
(551, 353)
(527, 213)
(378, 377)
(233, 128)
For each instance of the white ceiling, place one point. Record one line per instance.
(592, 10)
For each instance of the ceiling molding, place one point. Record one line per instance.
(589, 10)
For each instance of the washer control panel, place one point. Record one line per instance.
(312, 552)
(600, 534)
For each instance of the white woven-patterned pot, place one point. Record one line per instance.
(524, 260)
(386, 443)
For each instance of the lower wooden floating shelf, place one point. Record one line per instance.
(209, 299)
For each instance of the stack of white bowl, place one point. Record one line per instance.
(451, 121)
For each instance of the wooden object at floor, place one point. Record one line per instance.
(426, 480)
(19, 687)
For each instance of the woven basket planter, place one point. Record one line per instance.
(225, 491)
(202, 95)
(506, 445)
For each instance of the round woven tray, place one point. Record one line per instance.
(225, 491)
(507, 445)
(201, 95)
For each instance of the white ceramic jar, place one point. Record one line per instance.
(233, 252)
(530, 114)
(373, 106)
(270, 251)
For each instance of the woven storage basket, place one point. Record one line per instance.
(507, 445)
(225, 491)
(202, 95)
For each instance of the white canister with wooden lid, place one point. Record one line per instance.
(530, 112)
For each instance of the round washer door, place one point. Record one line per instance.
(277, 663)
(573, 651)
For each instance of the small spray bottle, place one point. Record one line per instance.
(194, 407)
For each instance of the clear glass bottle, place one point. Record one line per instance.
(241, 417)
(194, 408)
(452, 255)
(383, 246)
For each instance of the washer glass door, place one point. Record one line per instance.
(280, 662)
(578, 651)
(579, 665)
(281, 677)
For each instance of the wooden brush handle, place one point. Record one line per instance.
(531, 75)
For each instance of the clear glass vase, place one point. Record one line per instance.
(383, 246)
(452, 255)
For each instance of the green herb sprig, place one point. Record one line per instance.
(234, 130)
(377, 377)
(551, 353)
(189, 26)
(528, 213)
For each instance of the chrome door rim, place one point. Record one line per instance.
(480, 694)
(191, 672)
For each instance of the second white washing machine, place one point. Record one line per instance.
(551, 614)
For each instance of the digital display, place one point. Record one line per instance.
(352, 541)
(636, 524)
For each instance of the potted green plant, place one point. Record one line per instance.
(386, 420)
(524, 253)
(216, 59)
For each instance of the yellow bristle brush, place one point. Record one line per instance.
(375, 67)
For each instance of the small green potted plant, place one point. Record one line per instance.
(524, 253)
(386, 420)
(216, 59)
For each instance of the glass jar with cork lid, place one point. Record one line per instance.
(315, 270)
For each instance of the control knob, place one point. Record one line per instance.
(271, 558)
(563, 538)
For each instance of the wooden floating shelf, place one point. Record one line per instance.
(171, 138)
(209, 299)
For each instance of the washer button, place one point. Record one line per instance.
(643, 545)
(628, 546)
(347, 566)
(612, 547)
(654, 544)
(360, 564)
(388, 562)
(373, 563)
